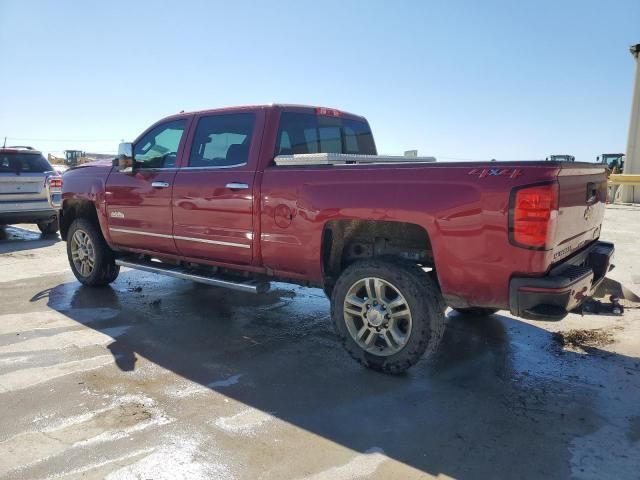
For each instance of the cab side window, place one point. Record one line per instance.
(159, 147)
(222, 141)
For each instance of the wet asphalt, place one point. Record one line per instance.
(156, 378)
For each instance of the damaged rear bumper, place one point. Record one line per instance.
(565, 287)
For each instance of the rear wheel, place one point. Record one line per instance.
(476, 311)
(48, 228)
(90, 258)
(388, 313)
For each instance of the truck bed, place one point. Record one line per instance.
(465, 208)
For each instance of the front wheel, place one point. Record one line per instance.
(90, 258)
(387, 313)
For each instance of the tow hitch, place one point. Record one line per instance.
(613, 307)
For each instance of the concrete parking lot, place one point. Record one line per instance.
(157, 378)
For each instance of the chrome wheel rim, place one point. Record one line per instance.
(377, 316)
(82, 253)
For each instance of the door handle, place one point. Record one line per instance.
(237, 186)
(159, 184)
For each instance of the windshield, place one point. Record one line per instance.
(307, 133)
(23, 163)
(614, 162)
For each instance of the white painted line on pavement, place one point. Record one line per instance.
(28, 377)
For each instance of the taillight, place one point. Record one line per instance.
(533, 215)
(55, 182)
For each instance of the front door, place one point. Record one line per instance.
(213, 192)
(139, 203)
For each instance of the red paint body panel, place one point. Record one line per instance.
(205, 209)
(144, 208)
(464, 207)
(87, 184)
(468, 229)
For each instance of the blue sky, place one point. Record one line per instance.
(455, 79)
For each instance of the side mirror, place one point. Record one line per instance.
(124, 162)
(125, 149)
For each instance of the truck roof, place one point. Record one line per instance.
(273, 106)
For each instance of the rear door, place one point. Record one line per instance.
(214, 190)
(22, 182)
(139, 204)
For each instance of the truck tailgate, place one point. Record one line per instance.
(581, 204)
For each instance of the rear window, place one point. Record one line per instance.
(23, 163)
(307, 133)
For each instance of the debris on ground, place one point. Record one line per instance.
(137, 289)
(583, 338)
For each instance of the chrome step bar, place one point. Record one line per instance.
(249, 286)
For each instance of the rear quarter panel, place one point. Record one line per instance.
(464, 214)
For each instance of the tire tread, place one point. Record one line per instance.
(106, 270)
(422, 287)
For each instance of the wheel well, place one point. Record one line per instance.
(72, 209)
(346, 241)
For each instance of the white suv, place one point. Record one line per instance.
(30, 190)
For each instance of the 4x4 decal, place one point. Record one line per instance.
(496, 172)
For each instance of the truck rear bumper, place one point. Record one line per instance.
(565, 287)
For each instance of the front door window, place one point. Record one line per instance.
(159, 147)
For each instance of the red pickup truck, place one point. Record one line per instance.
(393, 241)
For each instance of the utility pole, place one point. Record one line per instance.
(630, 193)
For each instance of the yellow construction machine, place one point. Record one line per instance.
(71, 158)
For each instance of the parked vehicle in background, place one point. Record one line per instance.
(613, 161)
(30, 190)
(561, 158)
(239, 196)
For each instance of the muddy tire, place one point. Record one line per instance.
(476, 311)
(90, 258)
(48, 228)
(388, 313)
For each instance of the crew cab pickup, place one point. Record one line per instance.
(240, 196)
